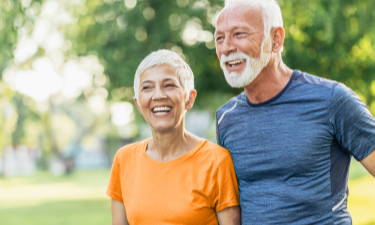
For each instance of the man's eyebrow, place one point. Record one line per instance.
(217, 32)
(235, 28)
(243, 27)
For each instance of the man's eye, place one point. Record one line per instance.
(146, 87)
(219, 38)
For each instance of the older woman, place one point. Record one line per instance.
(174, 177)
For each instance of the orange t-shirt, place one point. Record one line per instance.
(187, 190)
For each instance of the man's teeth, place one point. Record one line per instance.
(231, 63)
(161, 110)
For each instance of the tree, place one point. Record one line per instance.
(332, 39)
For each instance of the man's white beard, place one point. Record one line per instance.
(253, 66)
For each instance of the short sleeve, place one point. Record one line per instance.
(226, 186)
(353, 123)
(217, 132)
(114, 186)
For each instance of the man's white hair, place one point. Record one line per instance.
(172, 59)
(271, 13)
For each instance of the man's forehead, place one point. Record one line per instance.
(238, 16)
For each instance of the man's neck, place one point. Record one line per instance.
(270, 82)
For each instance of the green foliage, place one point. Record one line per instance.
(122, 37)
(332, 39)
(13, 15)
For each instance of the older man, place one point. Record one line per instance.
(291, 134)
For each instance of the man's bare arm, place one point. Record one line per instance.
(369, 163)
(229, 216)
(118, 213)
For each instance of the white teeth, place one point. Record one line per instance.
(160, 113)
(235, 62)
(164, 108)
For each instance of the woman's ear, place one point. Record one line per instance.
(139, 108)
(190, 102)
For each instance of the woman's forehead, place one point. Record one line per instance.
(161, 72)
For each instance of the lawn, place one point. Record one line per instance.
(44, 199)
(80, 198)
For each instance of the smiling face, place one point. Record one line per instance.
(240, 44)
(162, 99)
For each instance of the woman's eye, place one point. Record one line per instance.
(145, 87)
(169, 85)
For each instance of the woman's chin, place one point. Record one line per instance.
(166, 128)
(162, 129)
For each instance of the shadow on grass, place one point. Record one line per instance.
(66, 212)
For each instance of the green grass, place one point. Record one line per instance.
(60, 212)
(44, 199)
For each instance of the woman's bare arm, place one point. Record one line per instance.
(118, 213)
(230, 216)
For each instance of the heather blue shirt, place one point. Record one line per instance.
(292, 153)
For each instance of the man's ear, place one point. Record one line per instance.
(190, 102)
(278, 35)
(139, 109)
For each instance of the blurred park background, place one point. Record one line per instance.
(66, 88)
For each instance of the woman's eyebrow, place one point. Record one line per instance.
(164, 80)
(146, 81)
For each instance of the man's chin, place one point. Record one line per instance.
(236, 80)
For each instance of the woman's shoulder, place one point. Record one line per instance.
(215, 151)
(132, 148)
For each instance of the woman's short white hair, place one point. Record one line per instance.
(271, 12)
(172, 59)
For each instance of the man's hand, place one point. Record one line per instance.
(118, 213)
(369, 163)
(229, 216)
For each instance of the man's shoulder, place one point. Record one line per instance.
(338, 90)
(303, 77)
(231, 104)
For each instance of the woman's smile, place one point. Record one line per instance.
(160, 111)
(162, 99)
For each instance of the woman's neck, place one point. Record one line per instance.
(171, 145)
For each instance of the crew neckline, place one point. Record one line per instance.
(276, 96)
(174, 161)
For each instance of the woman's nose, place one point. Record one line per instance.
(159, 94)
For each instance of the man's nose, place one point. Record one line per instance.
(228, 46)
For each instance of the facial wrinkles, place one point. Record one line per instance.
(253, 65)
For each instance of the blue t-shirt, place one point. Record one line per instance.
(292, 153)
